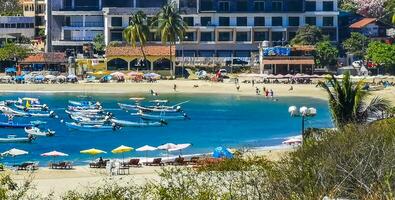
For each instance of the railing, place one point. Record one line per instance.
(87, 24)
(80, 8)
(217, 61)
(77, 39)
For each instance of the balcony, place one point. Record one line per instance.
(80, 8)
(87, 24)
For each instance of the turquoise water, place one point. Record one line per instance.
(216, 120)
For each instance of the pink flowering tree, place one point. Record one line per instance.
(370, 8)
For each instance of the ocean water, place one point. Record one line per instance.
(216, 120)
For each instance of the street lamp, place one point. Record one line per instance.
(303, 112)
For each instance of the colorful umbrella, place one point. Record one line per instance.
(146, 148)
(92, 151)
(54, 154)
(222, 152)
(122, 149)
(180, 147)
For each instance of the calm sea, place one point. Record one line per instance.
(216, 120)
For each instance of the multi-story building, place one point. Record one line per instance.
(36, 9)
(216, 28)
(14, 27)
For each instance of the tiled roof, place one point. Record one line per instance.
(53, 57)
(362, 23)
(152, 50)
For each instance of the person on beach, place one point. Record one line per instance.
(264, 89)
(267, 93)
(257, 91)
(291, 88)
(271, 93)
(175, 87)
(253, 82)
(238, 87)
(153, 93)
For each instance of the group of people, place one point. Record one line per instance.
(266, 91)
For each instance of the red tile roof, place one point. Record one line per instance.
(362, 23)
(152, 50)
(53, 57)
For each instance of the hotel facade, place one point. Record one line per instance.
(217, 29)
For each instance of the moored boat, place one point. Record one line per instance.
(14, 139)
(37, 132)
(90, 128)
(12, 124)
(162, 116)
(84, 103)
(127, 106)
(124, 123)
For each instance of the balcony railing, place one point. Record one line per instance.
(87, 24)
(80, 8)
(217, 61)
(77, 38)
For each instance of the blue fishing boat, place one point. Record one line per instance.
(12, 124)
(124, 123)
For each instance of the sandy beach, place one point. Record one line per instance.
(59, 181)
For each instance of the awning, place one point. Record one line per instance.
(288, 62)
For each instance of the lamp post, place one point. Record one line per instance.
(304, 113)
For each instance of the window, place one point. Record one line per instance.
(224, 53)
(327, 6)
(223, 6)
(291, 35)
(224, 21)
(277, 37)
(242, 5)
(189, 36)
(259, 21)
(259, 5)
(310, 5)
(189, 21)
(260, 36)
(242, 36)
(327, 21)
(153, 36)
(206, 53)
(116, 21)
(295, 5)
(241, 21)
(187, 3)
(2, 26)
(224, 36)
(206, 36)
(205, 21)
(13, 25)
(277, 5)
(206, 5)
(293, 21)
(277, 21)
(310, 21)
(116, 36)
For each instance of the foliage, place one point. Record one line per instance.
(356, 44)
(347, 5)
(308, 35)
(10, 8)
(382, 54)
(10, 190)
(41, 32)
(170, 26)
(115, 44)
(137, 31)
(370, 8)
(98, 43)
(326, 54)
(347, 101)
(14, 52)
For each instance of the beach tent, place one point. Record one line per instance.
(145, 149)
(122, 149)
(222, 152)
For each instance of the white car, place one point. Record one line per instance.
(223, 72)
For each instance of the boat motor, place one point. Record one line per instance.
(163, 122)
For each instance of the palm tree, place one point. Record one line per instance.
(170, 26)
(137, 31)
(347, 101)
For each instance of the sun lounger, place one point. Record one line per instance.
(26, 166)
(133, 163)
(194, 160)
(99, 164)
(61, 165)
(155, 162)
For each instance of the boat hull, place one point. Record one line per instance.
(90, 128)
(124, 123)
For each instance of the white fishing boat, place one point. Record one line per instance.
(84, 103)
(14, 139)
(127, 106)
(28, 103)
(163, 116)
(124, 123)
(37, 132)
(159, 108)
(91, 128)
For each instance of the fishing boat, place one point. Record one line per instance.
(28, 103)
(91, 128)
(124, 123)
(162, 116)
(37, 132)
(76, 109)
(9, 111)
(84, 103)
(159, 108)
(41, 114)
(12, 124)
(14, 139)
(127, 106)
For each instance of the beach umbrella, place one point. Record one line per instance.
(122, 149)
(135, 74)
(54, 154)
(166, 147)
(71, 76)
(180, 147)
(60, 77)
(14, 152)
(107, 77)
(146, 148)
(118, 74)
(92, 151)
(39, 78)
(50, 77)
(152, 75)
(222, 152)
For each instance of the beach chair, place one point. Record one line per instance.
(155, 162)
(133, 163)
(194, 160)
(180, 161)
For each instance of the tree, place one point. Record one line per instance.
(382, 54)
(347, 101)
(170, 26)
(308, 35)
(326, 54)
(10, 7)
(371, 8)
(13, 52)
(356, 44)
(137, 31)
(98, 43)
